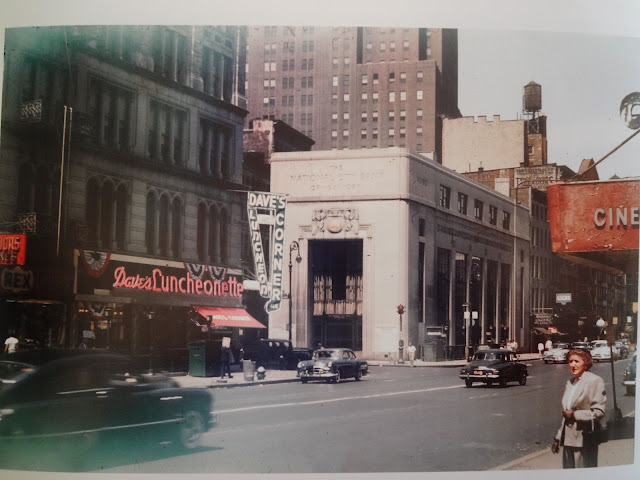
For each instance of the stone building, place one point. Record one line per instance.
(379, 228)
(142, 128)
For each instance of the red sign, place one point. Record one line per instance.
(13, 249)
(594, 216)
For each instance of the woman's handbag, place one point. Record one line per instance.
(597, 434)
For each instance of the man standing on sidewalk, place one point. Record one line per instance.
(412, 353)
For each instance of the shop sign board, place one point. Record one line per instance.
(594, 216)
(563, 298)
(542, 319)
(100, 271)
(264, 208)
(13, 249)
(16, 279)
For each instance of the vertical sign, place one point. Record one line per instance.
(265, 208)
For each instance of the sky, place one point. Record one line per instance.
(584, 53)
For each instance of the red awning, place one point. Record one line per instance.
(228, 317)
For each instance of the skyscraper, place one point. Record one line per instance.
(355, 87)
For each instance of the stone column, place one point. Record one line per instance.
(219, 139)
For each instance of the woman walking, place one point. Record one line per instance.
(583, 405)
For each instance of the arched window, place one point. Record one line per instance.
(122, 200)
(176, 228)
(107, 215)
(164, 226)
(150, 224)
(93, 210)
(202, 232)
(213, 234)
(224, 236)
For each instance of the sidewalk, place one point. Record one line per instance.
(283, 376)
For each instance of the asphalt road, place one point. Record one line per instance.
(395, 419)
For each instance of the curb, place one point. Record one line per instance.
(518, 461)
(250, 383)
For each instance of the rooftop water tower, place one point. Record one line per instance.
(531, 106)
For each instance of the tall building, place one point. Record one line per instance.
(355, 87)
(142, 129)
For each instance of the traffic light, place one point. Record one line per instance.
(401, 309)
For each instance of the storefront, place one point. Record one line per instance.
(380, 228)
(157, 307)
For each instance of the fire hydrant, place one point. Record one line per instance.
(261, 373)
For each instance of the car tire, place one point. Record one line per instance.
(468, 383)
(337, 378)
(190, 430)
(358, 375)
(523, 379)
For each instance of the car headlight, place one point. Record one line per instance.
(329, 364)
(299, 364)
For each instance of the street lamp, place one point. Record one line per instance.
(617, 413)
(467, 325)
(295, 246)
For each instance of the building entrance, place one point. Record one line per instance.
(336, 270)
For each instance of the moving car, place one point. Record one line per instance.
(68, 401)
(557, 354)
(629, 376)
(623, 349)
(494, 366)
(581, 346)
(275, 353)
(600, 351)
(332, 365)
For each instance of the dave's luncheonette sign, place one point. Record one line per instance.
(123, 274)
(268, 209)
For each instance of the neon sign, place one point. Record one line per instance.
(13, 249)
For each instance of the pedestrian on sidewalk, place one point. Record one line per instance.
(225, 362)
(583, 405)
(541, 349)
(548, 344)
(411, 350)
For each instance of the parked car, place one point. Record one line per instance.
(581, 346)
(275, 353)
(332, 365)
(69, 401)
(623, 349)
(557, 354)
(629, 376)
(494, 366)
(600, 351)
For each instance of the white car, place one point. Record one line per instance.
(600, 351)
(557, 354)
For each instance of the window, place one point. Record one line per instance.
(265, 83)
(374, 133)
(419, 131)
(392, 115)
(347, 60)
(462, 203)
(369, 46)
(167, 133)
(419, 76)
(335, 62)
(364, 79)
(364, 116)
(375, 79)
(419, 113)
(171, 62)
(111, 109)
(345, 116)
(345, 133)
(445, 196)
(334, 134)
(335, 80)
(345, 80)
(392, 46)
(419, 94)
(405, 45)
(345, 97)
(304, 64)
(265, 101)
(506, 220)
(292, 64)
(403, 96)
(363, 133)
(334, 98)
(375, 116)
(106, 213)
(288, 47)
(403, 77)
(403, 114)
(216, 147)
(334, 117)
(493, 215)
(392, 77)
(383, 46)
(374, 96)
(364, 96)
(392, 132)
(403, 132)
(477, 209)
(303, 82)
(392, 97)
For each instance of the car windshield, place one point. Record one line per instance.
(10, 372)
(325, 354)
(488, 356)
(597, 344)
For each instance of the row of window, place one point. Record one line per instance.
(288, 82)
(289, 47)
(305, 64)
(392, 46)
(374, 115)
(374, 132)
(272, 31)
(375, 97)
(478, 207)
(288, 101)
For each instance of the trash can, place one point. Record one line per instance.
(204, 358)
(248, 369)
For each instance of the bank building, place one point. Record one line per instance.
(376, 229)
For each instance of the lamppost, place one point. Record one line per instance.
(617, 413)
(467, 327)
(293, 247)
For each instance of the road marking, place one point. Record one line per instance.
(333, 400)
(484, 396)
